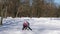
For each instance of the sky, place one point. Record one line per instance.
(57, 1)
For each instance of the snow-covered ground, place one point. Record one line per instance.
(39, 25)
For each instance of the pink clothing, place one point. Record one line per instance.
(25, 24)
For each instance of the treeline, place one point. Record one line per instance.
(29, 8)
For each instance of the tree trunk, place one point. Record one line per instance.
(17, 13)
(1, 20)
(6, 13)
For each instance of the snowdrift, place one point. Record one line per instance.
(39, 25)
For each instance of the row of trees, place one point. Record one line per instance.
(29, 8)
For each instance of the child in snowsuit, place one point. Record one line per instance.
(26, 25)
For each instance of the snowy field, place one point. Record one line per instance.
(39, 25)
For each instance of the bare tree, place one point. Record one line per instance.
(6, 12)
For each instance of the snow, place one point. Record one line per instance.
(40, 25)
